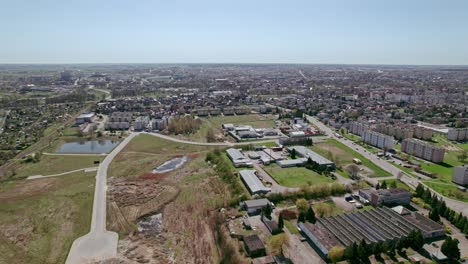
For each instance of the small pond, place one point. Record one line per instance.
(88, 146)
(171, 165)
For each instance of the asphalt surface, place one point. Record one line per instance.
(411, 181)
(98, 244)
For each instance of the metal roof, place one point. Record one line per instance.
(252, 181)
(308, 153)
(235, 154)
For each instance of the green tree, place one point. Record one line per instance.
(393, 184)
(302, 204)
(463, 156)
(310, 215)
(267, 210)
(450, 248)
(301, 217)
(434, 215)
(293, 153)
(383, 185)
(280, 222)
(419, 190)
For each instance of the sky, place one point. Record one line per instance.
(425, 32)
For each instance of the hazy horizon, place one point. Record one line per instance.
(211, 32)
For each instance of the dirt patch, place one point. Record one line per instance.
(153, 176)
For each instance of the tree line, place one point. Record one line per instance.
(439, 208)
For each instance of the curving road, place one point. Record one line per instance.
(458, 206)
(98, 244)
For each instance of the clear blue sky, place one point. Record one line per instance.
(237, 31)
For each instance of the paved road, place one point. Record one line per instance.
(98, 244)
(411, 181)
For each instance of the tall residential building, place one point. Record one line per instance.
(378, 140)
(422, 133)
(397, 131)
(423, 150)
(460, 175)
(357, 128)
(458, 134)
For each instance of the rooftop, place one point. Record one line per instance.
(252, 181)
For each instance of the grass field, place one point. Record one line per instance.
(399, 184)
(295, 176)
(215, 123)
(52, 164)
(40, 219)
(343, 155)
(447, 189)
(145, 152)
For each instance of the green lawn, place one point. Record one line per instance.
(43, 217)
(399, 184)
(343, 155)
(295, 176)
(155, 145)
(52, 164)
(216, 122)
(447, 189)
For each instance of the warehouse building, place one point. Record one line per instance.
(238, 159)
(307, 153)
(372, 226)
(254, 206)
(423, 150)
(393, 196)
(253, 184)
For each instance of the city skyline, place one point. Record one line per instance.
(303, 32)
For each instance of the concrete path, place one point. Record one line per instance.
(98, 244)
(61, 174)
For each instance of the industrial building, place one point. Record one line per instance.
(458, 134)
(254, 206)
(393, 196)
(253, 184)
(372, 226)
(423, 150)
(238, 159)
(378, 140)
(460, 175)
(84, 118)
(307, 153)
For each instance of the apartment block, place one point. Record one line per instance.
(458, 134)
(357, 128)
(378, 139)
(422, 133)
(423, 150)
(460, 175)
(396, 131)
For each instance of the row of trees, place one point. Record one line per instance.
(360, 252)
(439, 208)
(223, 169)
(312, 165)
(184, 125)
(310, 192)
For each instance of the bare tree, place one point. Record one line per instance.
(353, 170)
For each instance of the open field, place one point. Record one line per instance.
(295, 176)
(49, 164)
(342, 155)
(186, 197)
(40, 219)
(215, 123)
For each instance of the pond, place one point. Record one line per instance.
(88, 146)
(171, 165)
